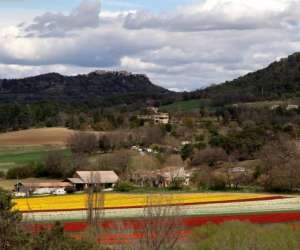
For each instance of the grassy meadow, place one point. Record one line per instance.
(23, 147)
(14, 157)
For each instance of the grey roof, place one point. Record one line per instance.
(97, 176)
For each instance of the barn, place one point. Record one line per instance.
(84, 179)
(40, 187)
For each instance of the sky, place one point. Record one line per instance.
(179, 44)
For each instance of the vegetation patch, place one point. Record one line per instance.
(189, 105)
(20, 157)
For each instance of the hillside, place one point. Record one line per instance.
(98, 87)
(280, 80)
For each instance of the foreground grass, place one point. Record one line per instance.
(246, 236)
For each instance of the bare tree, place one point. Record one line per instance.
(161, 224)
(149, 135)
(83, 142)
(209, 156)
(281, 166)
(117, 161)
(95, 207)
(54, 164)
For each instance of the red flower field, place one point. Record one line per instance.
(120, 231)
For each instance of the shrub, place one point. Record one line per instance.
(83, 143)
(200, 137)
(217, 183)
(209, 156)
(245, 143)
(2, 174)
(54, 165)
(206, 179)
(124, 187)
(70, 190)
(168, 127)
(186, 151)
(176, 184)
(200, 145)
(21, 172)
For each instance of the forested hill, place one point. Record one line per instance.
(109, 87)
(279, 80)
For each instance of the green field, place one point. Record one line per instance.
(18, 157)
(183, 106)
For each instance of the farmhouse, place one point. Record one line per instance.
(160, 178)
(172, 173)
(155, 116)
(40, 187)
(292, 107)
(84, 179)
(159, 118)
(237, 170)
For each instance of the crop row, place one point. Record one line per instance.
(113, 200)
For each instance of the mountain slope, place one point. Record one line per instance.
(277, 81)
(97, 86)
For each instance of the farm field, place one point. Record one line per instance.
(124, 225)
(21, 156)
(187, 204)
(36, 137)
(116, 200)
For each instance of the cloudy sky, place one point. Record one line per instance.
(180, 44)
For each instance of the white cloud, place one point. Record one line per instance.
(192, 47)
(86, 15)
(221, 15)
(136, 64)
(19, 71)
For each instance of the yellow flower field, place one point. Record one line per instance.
(79, 201)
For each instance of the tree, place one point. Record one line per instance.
(150, 135)
(144, 162)
(95, 208)
(245, 144)
(21, 172)
(11, 235)
(189, 122)
(209, 156)
(54, 165)
(168, 127)
(207, 179)
(104, 143)
(160, 224)
(2, 174)
(281, 170)
(117, 161)
(235, 180)
(83, 142)
(186, 151)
